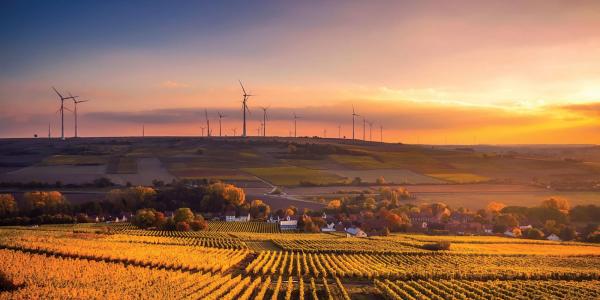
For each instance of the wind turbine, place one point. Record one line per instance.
(143, 130)
(381, 132)
(339, 131)
(207, 122)
(245, 106)
(75, 102)
(234, 131)
(202, 130)
(295, 118)
(370, 130)
(62, 112)
(221, 116)
(49, 133)
(354, 114)
(364, 127)
(265, 117)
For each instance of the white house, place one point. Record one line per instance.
(329, 227)
(355, 232)
(288, 224)
(233, 218)
(553, 237)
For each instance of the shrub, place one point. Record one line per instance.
(6, 284)
(437, 246)
(183, 226)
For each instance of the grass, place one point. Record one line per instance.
(460, 177)
(291, 175)
(56, 160)
(358, 162)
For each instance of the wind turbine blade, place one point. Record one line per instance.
(61, 97)
(243, 89)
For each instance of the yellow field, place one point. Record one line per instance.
(291, 175)
(460, 177)
(77, 262)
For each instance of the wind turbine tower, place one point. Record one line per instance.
(370, 130)
(265, 117)
(75, 102)
(207, 122)
(339, 131)
(221, 116)
(245, 107)
(354, 115)
(295, 118)
(381, 132)
(62, 112)
(364, 129)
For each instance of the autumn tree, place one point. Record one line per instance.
(558, 203)
(144, 218)
(183, 214)
(42, 202)
(259, 209)
(132, 198)
(198, 223)
(334, 206)
(8, 205)
(495, 207)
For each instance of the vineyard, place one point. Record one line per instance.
(99, 261)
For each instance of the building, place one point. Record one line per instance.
(329, 227)
(288, 224)
(355, 232)
(553, 237)
(233, 218)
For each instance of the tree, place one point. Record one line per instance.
(380, 180)
(183, 226)
(259, 209)
(334, 205)
(234, 195)
(394, 222)
(183, 214)
(132, 198)
(8, 205)
(198, 223)
(145, 218)
(567, 233)
(495, 207)
(561, 204)
(506, 220)
(533, 234)
(46, 202)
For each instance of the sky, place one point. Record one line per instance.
(435, 72)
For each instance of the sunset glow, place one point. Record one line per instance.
(433, 72)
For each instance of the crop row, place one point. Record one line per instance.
(424, 266)
(496, 289)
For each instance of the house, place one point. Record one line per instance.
(525, 227)
(232, 218)
(355, 232)
(509, 233)
(553, 237)
(288, 224)
(329, 227)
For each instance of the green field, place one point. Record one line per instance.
(292, 175)
(57, 160)
(460, 177)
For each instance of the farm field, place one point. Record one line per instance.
(398, 176)
(291, 176)
(431, 172)
(84, 261)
